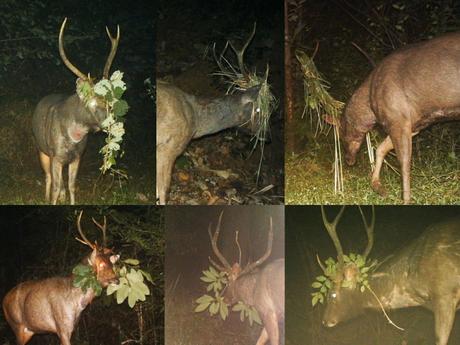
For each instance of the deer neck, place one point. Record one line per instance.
(394, 287)
(243, 289)
(212, 116)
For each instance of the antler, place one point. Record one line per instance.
(64, 58)
(331, 229)
(83, 238)
(240, 52)
(369, 231)
(114, 41)
(214, 237)
(250, 266)
(103, 229)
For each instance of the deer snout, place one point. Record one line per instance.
(329, 323)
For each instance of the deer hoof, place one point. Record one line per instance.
(377, 186)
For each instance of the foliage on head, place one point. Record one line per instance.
(348, 271)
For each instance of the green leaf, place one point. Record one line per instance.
(147, 276)
(214, 308)
(120, 108)
(112, 288)
(321, 278)
(133, 262)
(205, 299)
(202, 307)
(316, 285)
(122, 293)
(223, 310)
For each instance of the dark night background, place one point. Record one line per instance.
(378, 27)
(39, 242)
(306, 237)
(187, 249)
(31, 68)
(186, 31)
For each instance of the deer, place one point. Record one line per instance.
(411, 89)
(54, 305)
(424, 273)
(260, 287)
(61, 123)
(182, 117)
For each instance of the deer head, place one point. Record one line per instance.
(101, 258)
(94, 103)
(235, 271)
(344, 295)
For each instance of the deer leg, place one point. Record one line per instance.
(384, 147)
(403, 147)
(23, 335)
(56, 179)
(444, 315)
(164, 171)
(263, 338)
(272, 330)
(45, 162)
(65, 339)
(73, 170)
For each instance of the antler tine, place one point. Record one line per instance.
(83, 238)
(320, 263)
(240, 53)
(214, 237)
(369, 230)
(64, 58)
(268, 251)
(331, 229)
(114, 42)
(103, 229)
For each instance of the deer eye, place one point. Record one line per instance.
(333, 294)
(101, 264)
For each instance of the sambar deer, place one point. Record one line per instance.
(182, 117)
(61, 123)
(262, 288)
(424, 273)
(54, 305)
(412, 88)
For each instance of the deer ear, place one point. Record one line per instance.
(92, 257)
(251, 94)
(114, 258)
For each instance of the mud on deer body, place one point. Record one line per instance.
(261, 288)
(54, 305)
(424, 273)
(61, 123)
(409, 90)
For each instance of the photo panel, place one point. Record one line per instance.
(77, 95)
(92, 274)
(397, 276)
(220, 87)
(224, 275)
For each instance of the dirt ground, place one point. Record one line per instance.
(222, 168)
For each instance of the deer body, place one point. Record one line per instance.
(54, 305)
(182, 117)
(424, 273)
(50, 305)
(264, 290)
(60, 126)
(409, 90)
